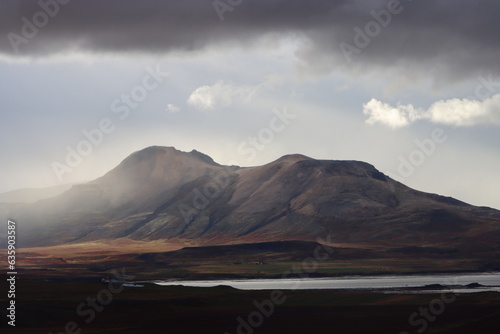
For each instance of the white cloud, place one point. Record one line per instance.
(466, 112)
(394, 117)
(172, 108)
(456, 112)
(226, 93)
(221, 94)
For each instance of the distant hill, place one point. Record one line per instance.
(31, 195)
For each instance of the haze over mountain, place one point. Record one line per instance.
(31, 195)
(160, 193)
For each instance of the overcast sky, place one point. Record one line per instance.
(412, 87)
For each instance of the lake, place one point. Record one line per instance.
(490, 281)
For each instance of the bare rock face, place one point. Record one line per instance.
(162, 193)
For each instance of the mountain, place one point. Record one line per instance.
(160, 193)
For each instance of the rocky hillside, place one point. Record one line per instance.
(163, 193)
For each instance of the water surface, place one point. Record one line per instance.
(491, 281)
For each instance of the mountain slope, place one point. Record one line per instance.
(160, 193)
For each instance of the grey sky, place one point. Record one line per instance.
(227, 79)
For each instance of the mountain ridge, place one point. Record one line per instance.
(160, 193)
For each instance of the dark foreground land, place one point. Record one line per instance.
(92, 307)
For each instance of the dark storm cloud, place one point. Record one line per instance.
(450, 38)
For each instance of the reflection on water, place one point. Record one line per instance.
(456, 283)
(454, 290)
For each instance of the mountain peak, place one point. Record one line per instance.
(160, 163)
(166, 153)
(151, 152)
(294, 158)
